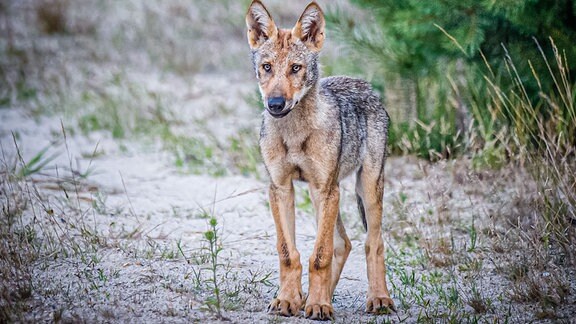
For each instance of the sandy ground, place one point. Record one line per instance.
(141, 254)
(139, 275)
(144, 194)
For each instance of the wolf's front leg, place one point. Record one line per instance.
(319, 302)
(290, 297)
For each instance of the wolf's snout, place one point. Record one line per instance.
(276, 104)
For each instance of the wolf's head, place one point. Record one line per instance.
(285, 61)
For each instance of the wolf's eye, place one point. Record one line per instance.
(267, 67)
(296, 68)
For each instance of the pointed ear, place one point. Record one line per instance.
(310, 27)
(260, 25)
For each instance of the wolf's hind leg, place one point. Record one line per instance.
(342, 247)
(370, 188)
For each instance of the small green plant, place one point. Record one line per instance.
(477, 301)
(99, 203)
(473, 236)
(305, 202)
(213, 249)
(37, 163)
(192, 154)
(408, 279)
(245, 153)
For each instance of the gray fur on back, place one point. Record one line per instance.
(363, 120)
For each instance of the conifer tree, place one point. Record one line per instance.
(437, 46)
(417, 34)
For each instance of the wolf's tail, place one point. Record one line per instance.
(362, 211)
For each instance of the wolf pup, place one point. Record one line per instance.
(318, 131)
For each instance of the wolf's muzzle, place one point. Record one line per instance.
(275, 107)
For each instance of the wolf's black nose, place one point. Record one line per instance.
(276, 104)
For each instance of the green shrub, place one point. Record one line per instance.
(455, 62)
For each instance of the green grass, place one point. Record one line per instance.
(37, 163)
(304, 201)
(129, 113)
(34, 225)
(190, 154)
(244, 153)
(430, 291)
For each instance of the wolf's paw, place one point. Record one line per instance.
(380, 305)
(285, 307)
(319, 312)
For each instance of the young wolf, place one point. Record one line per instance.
(318, 131)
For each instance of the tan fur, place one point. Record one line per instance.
(307, 145)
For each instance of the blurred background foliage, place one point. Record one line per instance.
(458, 75)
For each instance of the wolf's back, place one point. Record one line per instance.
(350, 92)
(363, 122)
(361, 113)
